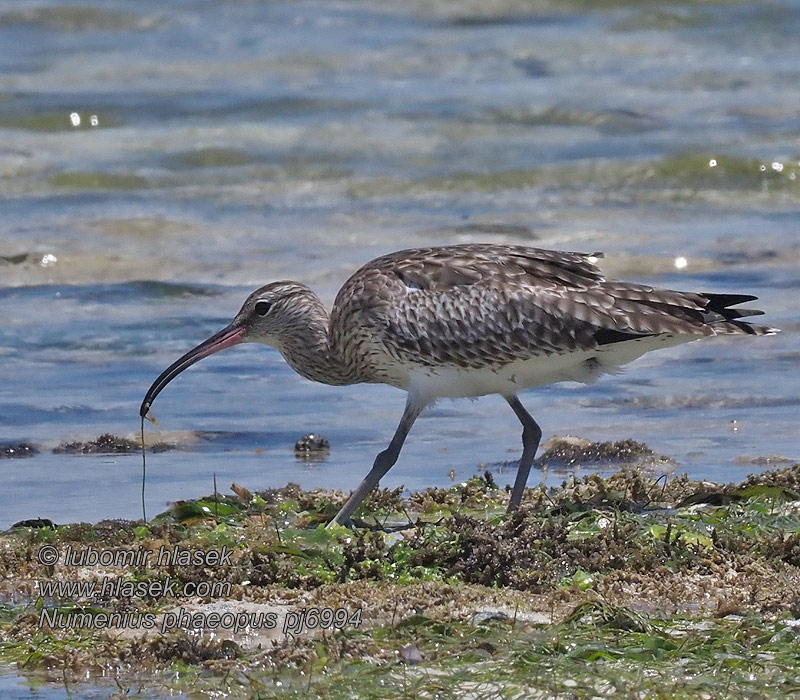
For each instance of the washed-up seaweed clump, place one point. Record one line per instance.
(15, 450)
(565, 452)
(108, 444)
(312, 447)
(104, 444)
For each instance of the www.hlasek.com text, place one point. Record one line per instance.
(113, 587)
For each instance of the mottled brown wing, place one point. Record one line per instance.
(482, 305)
(440, 269)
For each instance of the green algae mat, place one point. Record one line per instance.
(630, 585)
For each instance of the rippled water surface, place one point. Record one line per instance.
(216, 146)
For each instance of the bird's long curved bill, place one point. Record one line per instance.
(231, 335)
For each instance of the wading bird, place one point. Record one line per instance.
(465, 321)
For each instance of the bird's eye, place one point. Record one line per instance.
(262, 307)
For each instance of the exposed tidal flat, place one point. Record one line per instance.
(599, 587)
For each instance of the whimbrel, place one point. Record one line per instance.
(466, 321)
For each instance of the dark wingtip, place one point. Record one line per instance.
(718, 310)
(723, 301)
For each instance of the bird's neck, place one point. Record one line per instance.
(307, 348)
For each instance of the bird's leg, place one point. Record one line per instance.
(383, 463)
(531, 435)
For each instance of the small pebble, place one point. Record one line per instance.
(411, 654)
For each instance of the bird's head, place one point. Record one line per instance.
(269, 314)
(275, 311)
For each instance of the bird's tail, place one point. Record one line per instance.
(725, 320)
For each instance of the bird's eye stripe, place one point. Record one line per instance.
(262, 307)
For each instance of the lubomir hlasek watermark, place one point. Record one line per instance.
(75, 615)
(134, 556)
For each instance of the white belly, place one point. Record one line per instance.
(582, 366)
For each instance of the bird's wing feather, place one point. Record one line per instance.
(439, 269)
(483, 305)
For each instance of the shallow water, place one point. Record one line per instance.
(236, 143)
(38, 688)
